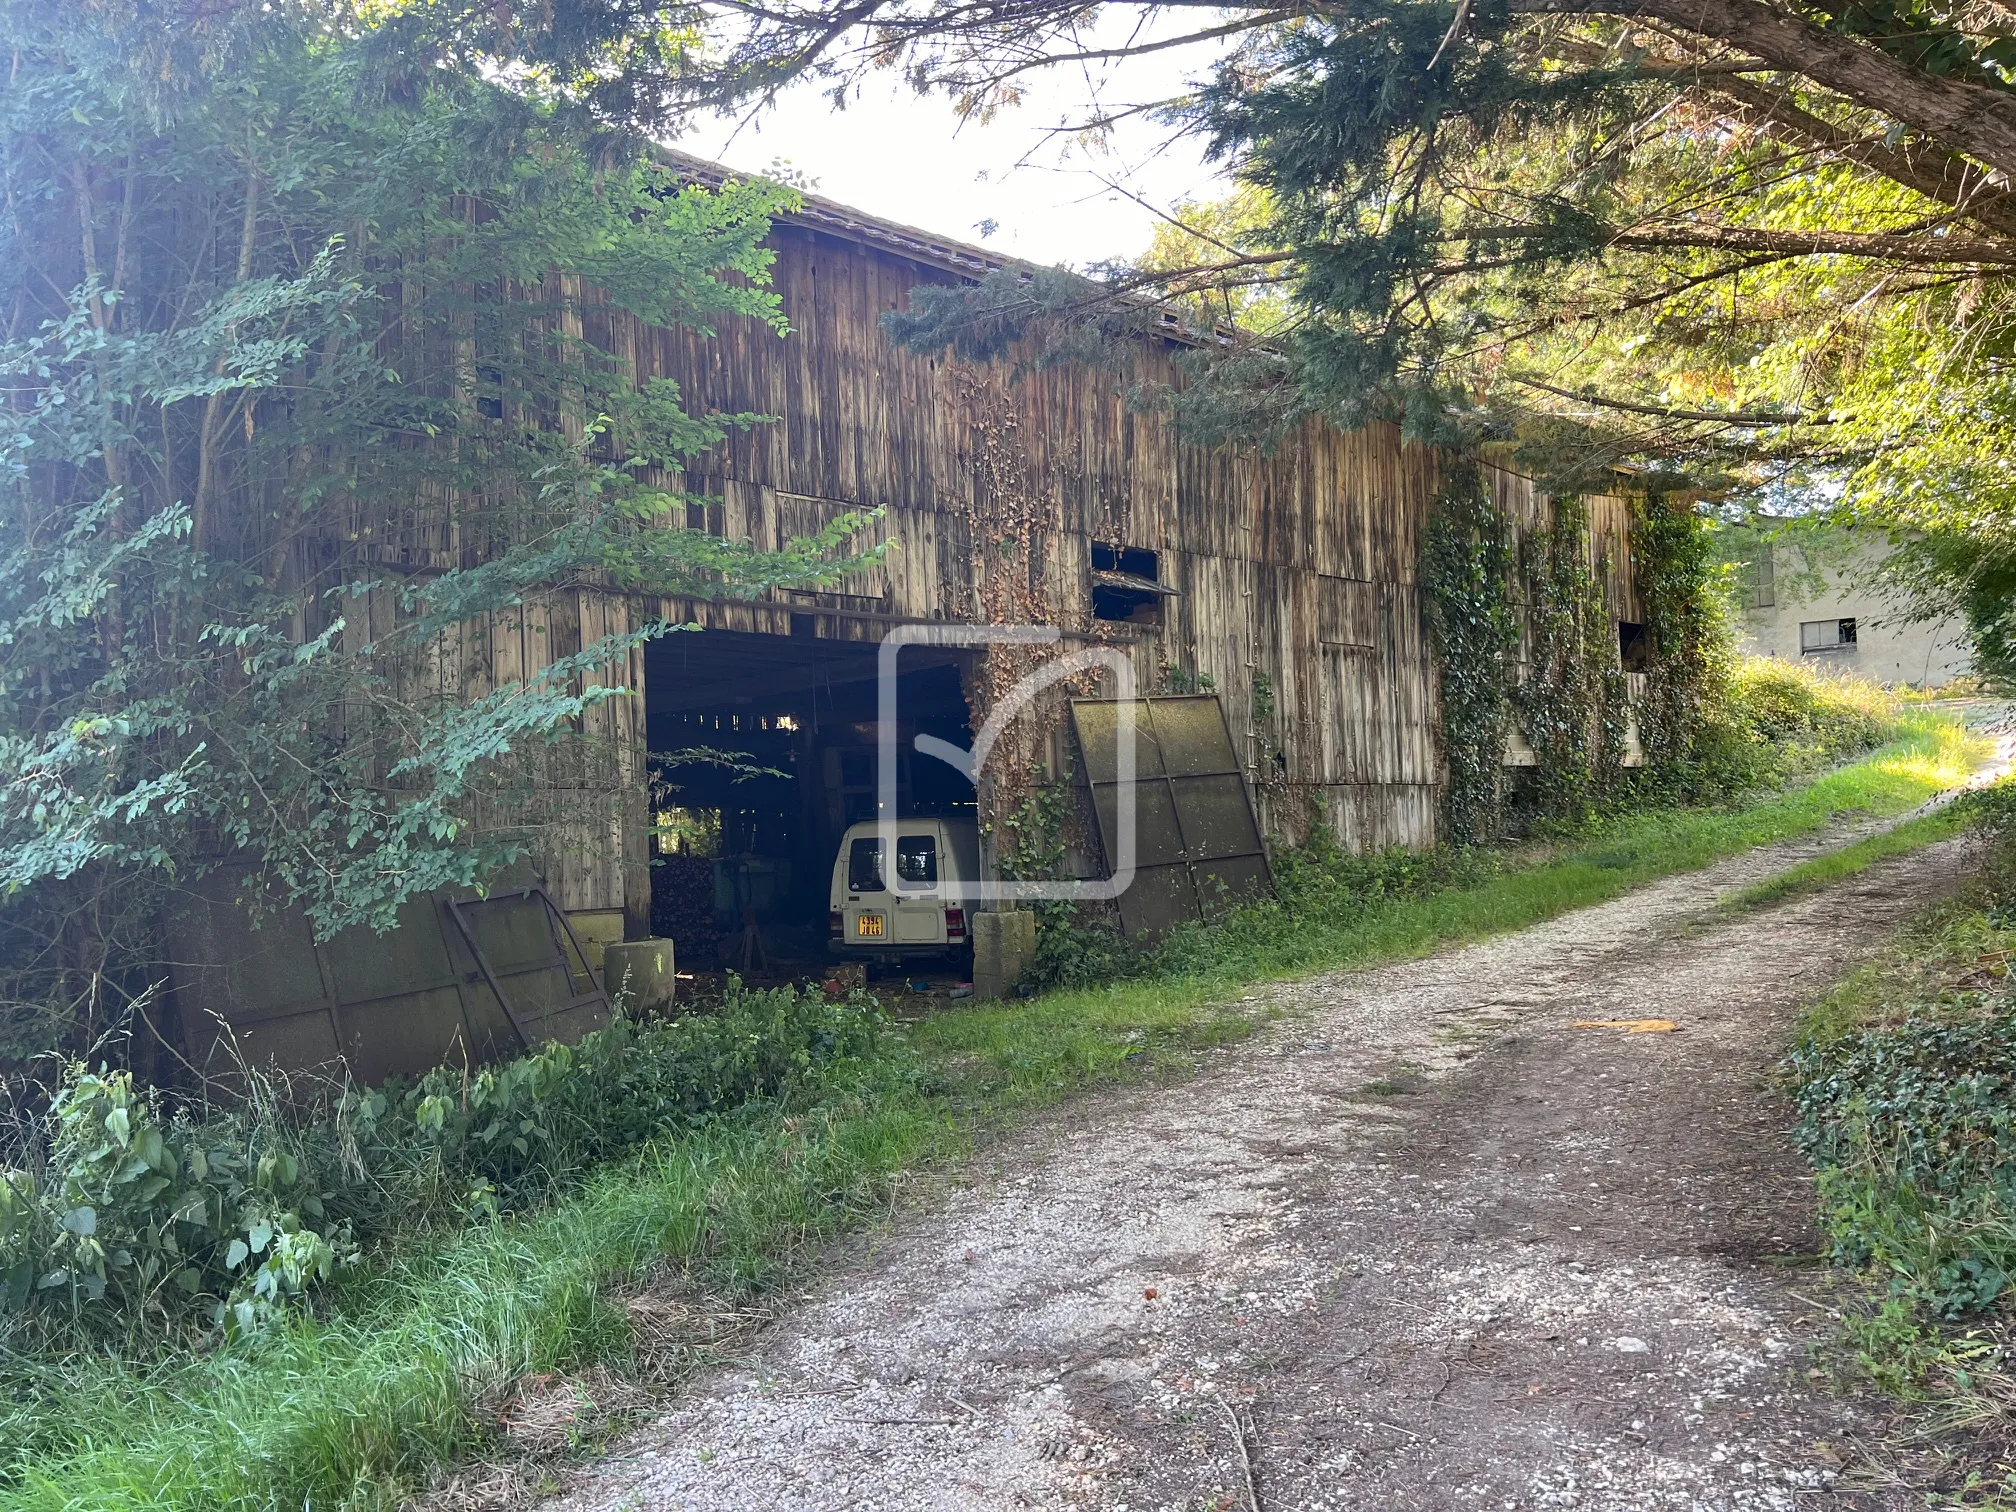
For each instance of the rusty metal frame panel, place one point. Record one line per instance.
(574, 999)
(1199, 850)
(384, 1005)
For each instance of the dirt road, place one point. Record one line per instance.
(1423, 1244)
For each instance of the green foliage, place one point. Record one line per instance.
(1905, 1085)
(1574, 701)
(127, 1214)
(1466, 570)
(305, 386)
(1673, 559)
(1913, 1129)
(1075, 943)
(1804, 717)
(397, 1374)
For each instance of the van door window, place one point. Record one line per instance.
(864, 865)
(916, 861)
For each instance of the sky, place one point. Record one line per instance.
(908, 158)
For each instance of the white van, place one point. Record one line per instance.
(915, 908)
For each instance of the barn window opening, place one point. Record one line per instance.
(1634, 646)
(1127, 584)
(490, 392)
(1816, 636)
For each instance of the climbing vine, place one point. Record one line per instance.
(1484, 583)
(1033, 815)
(1466, 570)
(1672, 558)
(1574, 701)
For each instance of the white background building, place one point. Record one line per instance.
(1822, 605)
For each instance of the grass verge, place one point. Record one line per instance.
(1848, 860)
(1011, 1055)
(412, 1369)
(1904, 1077)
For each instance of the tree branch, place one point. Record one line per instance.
(1724, 417)
(1967, 117)
(1941, 176)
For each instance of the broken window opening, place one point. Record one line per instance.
(1634, 646)
(1127, 584)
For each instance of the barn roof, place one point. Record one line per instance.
(854, 225)
(919, 246)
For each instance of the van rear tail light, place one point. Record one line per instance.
(955, 923)
(836, 925)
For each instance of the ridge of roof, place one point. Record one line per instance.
(836, 219)
(855, 225)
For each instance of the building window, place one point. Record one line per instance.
(1826, 635)
(1763, 580)
(1127, 584)
(1634, 647)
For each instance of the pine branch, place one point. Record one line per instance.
(1966, 116)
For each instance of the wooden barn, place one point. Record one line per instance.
(1285, 583)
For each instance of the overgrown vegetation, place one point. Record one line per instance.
(1904, 1077)
(1574, 703)
(1708, 722)
(303, 384)
(123, 1217)
(1466, 569)
(370, 1387)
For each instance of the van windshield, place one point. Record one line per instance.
(916, 861)
(864, 865)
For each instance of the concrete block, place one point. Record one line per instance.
(638, 976)
(596, 928)
(1004, 947)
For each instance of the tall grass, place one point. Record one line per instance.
(404, 1374)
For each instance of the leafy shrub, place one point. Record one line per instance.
(1992, 811)
(128, 1212)
(1913, 1130)
(1802, 711)
(1078, 945)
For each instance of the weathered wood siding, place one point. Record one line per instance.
(1297, 566)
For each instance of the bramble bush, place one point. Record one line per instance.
(123, 1213)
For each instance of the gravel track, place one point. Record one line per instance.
(1423, 1243)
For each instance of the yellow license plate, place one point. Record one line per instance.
(868, 926)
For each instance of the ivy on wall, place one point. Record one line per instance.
(1466, 570)
(1574, 701)
(1673, 561)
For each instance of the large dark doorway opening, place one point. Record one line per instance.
(763, 752)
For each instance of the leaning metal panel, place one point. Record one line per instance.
(1198, 846)
(460, 979)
